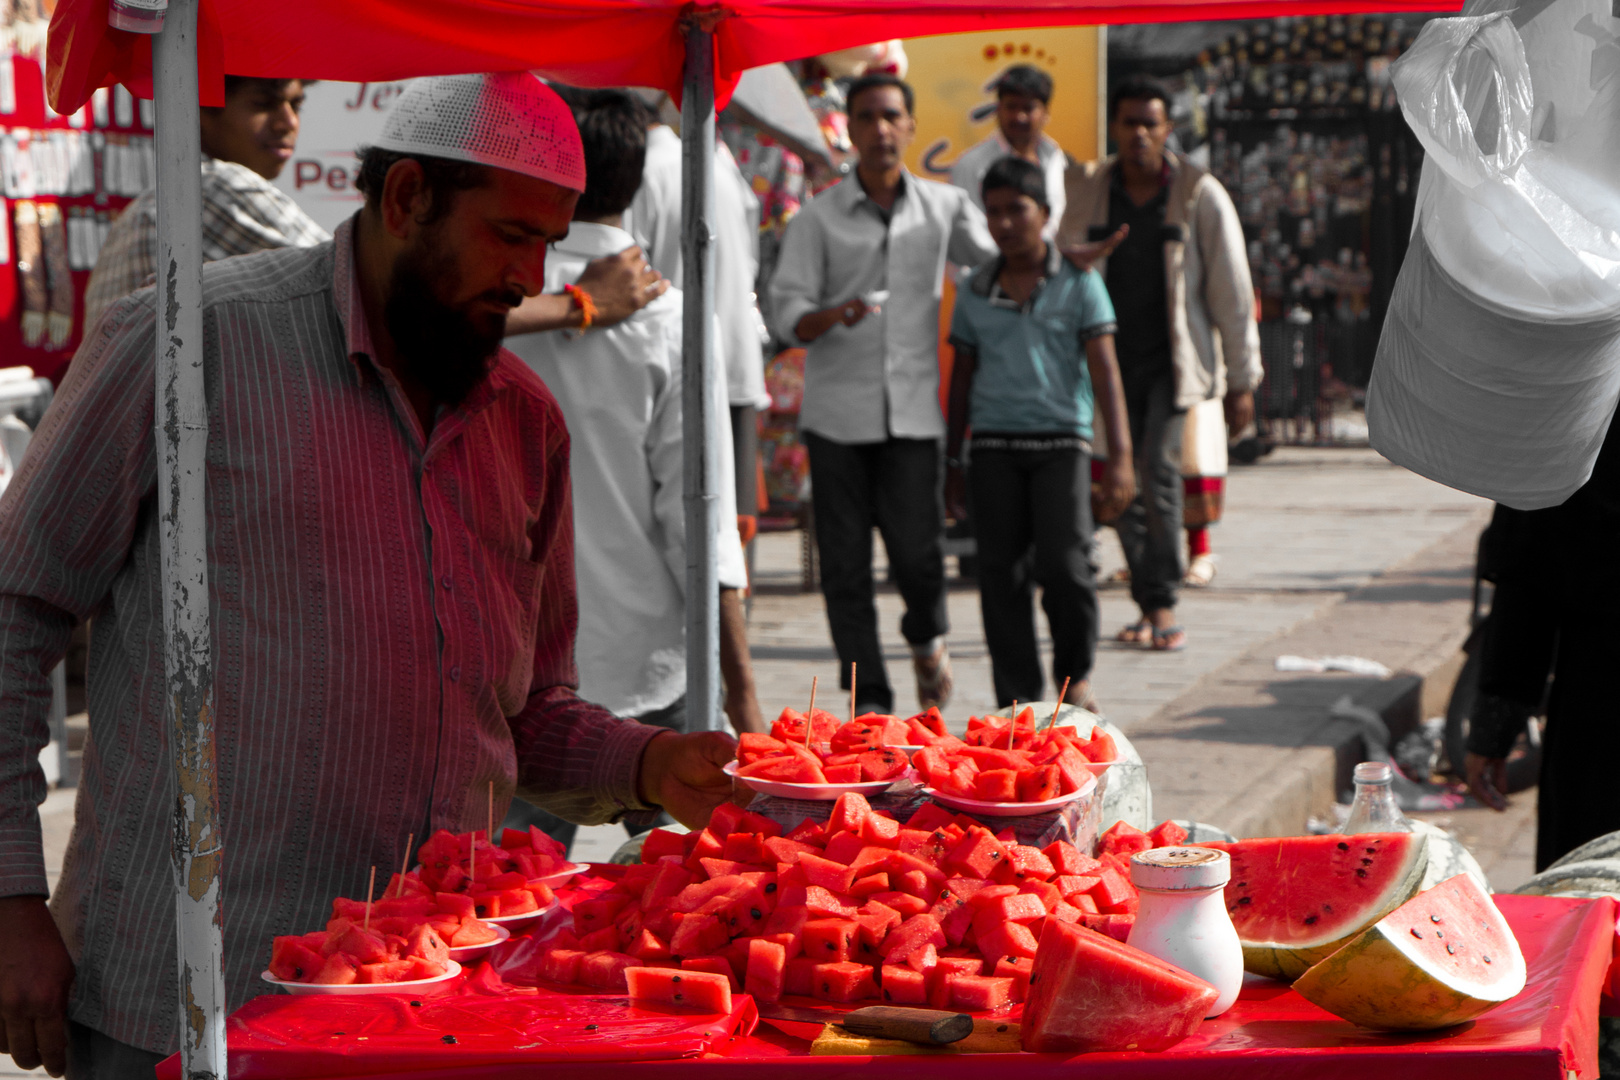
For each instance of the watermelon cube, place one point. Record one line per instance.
(1168, 834)
(787, 921)
(746, 848)
(906, 904)
(605, 969)
(786, 770)
(843, 774)
(979, 993)
(714, 965)
(293, 961)
(990, 895)
(1044, 891)
(1016, 968)
(338, 970)
(1124, 839)
(996, 785)
(842, 982)
(832, 876)
(1112, 890)
(385, 971)
(597, 912)
(867, 886)
(1039, 784)
(829, 940)
(848, 813)
(648, 946)
(697, 934)
(1065, 912)
(878, 765)
(758, 824)
(903, 986)
(361, 945)
(880, 830)
(826, 905)
(1031, 864)
(425, 942)
(799, 977)
(1117, 927)
(561, 965)
(1011, 939)
(699, 990)
(875, 919)
(767, 970)
(977, 856)
(670, 879)
(605, 939)
(913, 934)
(808, 832)
(924, 959)
(914, 882)
(1019, 907)
(753, 745)
(844, 847)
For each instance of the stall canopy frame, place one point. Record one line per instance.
(695, 52)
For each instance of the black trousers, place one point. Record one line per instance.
(1032, 519)
(898, 486)
(1150, 530)
(94, 1056)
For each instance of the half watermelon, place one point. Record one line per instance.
(1443, 957)
(1296, 900)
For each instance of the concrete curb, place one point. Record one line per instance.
(1255, 751)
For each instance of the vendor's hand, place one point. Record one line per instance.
(1083, 255)
(1487, 779)
(853, 311)
(1239, 409)
(35, 975)
(682, 774)
(956, 507)
(621, 285)
(1118, 486)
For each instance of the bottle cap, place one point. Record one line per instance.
(1173, 868)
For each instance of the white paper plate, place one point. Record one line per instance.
(453, 970)
(472, 952)
(568, 871)
(519, 923)
(1008, 809)
(819, 792)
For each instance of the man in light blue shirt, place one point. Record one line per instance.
(1034, 340)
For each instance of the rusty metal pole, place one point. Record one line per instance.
(182, 440)
(700, 423)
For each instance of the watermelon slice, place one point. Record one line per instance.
(1296, 900)
(1090, 992)
(700, 990)
(1443, 957)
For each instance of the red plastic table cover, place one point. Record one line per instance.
(1546, 1033)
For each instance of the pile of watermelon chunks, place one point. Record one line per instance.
(408, 933)
(938, 912)
(1001, 759)
(1005, 760)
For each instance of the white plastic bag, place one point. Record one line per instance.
(1499, 367)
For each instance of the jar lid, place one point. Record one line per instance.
(1172, 868)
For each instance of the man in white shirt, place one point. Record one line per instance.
(1023, 102)
(620, 393)
(654, 219)
(859, 283)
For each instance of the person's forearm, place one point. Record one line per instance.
(813, 325)
(963, 368)
(1109, 392)
(736, 666)
(548, 311)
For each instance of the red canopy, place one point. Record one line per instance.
(586, 42)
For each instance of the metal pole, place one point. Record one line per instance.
(182, 439)
(700, 423)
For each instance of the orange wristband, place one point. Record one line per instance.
(583, 301)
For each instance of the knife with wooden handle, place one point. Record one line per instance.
(925, 1027)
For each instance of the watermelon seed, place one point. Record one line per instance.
(449, 1040)
(1245, 899)
(675, 978)
(1327, 908)
(1449, 950)
(770, 887)
(1372, 851)
(1486, 959)
(416, 1004)
(1439, 933)
(1001, 1028)
(1434, 918)
(590, 1027)
(1031, 981)
(1416, 934)
(1310, 920)
(1343, 846)
(755, 912)
(1361, 871)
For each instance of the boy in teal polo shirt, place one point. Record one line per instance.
(1034, 342)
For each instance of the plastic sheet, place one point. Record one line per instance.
(1546, 1033)
(1499, 366)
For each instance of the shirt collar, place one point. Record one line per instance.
(857, 196)
(1167, 172)
(1045, 145)
(589, 240)
(985, 281)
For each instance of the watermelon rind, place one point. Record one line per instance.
(1606, 846)
(1288, 960)
(1448, 857)
(1588, 878)
(1394, 977)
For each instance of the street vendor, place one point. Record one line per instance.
(391, 577)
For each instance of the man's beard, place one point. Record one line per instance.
(444, 349)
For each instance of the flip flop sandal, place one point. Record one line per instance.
(1136, 633)
(1200, 573)
(1170, 639)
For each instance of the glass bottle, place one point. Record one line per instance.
(1374, 808)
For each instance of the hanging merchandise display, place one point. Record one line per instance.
(1499, 368)
(63, 179)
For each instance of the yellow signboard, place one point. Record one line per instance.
(952, 76)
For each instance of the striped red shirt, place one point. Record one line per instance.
(393, 627)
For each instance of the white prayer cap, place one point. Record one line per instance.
(510, 120)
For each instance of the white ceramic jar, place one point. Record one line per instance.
(1182, 919)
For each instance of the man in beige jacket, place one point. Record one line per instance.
(1185, 306)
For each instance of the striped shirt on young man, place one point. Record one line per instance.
(242, 213)
(393, 627)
